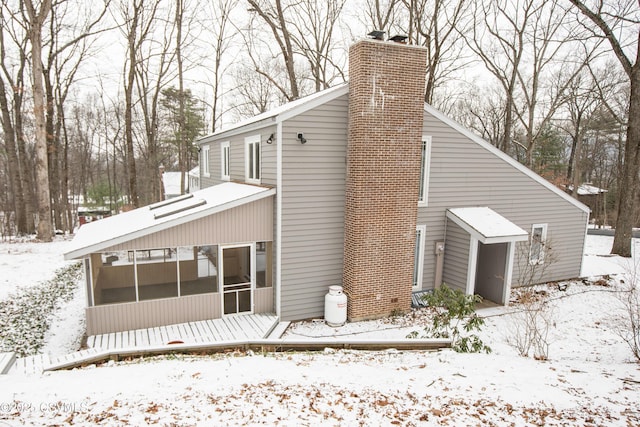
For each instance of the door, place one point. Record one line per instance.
(237, 270)
(490, 271)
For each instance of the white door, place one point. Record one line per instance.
(236, 278)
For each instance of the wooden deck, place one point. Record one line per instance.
(232, 328)
(240, 328)
(6, 362)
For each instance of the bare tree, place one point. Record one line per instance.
(139, 18)
(439, 26)
(67, 48)
(217, 22)
(14, 73)
(619, 24)
(498, 39)
(153, 72)
(383, 15)
(273, 14)
(15, 190)
(35, 22)
(255, 93)
(314, 39)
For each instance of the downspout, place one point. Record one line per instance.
(279, 147)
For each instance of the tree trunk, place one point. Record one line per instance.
(52, 149)
(44, 228)
(128, 113)
(17, 199)
(629, 181)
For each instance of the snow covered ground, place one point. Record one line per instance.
(589, 379)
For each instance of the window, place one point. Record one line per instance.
(538, 239)
(149, 274)
(252, 159)
(424, 170)
(205, 160)
(419, 257)
(225, 158)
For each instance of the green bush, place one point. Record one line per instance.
(455, 318)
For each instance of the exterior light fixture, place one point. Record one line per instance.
(270, 139)
(301, 138)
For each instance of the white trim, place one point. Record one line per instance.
(522, 168)
(426, 145)
(135, 273)
(168, 222)
(472, 266)
(87, 263)
(178, 270)
(543, 240)
(225, 161)
(249, 142)
(206, 171)
(278, 236)
(422, 228)
(252, 261)
(516, 234)
(508, 273)
(281, 113)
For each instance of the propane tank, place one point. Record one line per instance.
(335, 307)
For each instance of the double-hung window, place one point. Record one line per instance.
(424, 170)
(205, 160)
(538, 241)
(225, 161)
(252, 159)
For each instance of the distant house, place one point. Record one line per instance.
(361, 185)
(194, 179)
(596, 199)
(171, 184)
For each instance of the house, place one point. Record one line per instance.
(596, 199)
(194, 179)
(361, 185)
(171, 184)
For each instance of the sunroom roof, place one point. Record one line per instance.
(143, 221)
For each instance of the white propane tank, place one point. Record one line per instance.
(335, 306)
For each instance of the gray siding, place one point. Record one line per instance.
(465, 174)
(237, 157)
(252, 222)
(456, 256)
(146, 314)
(313, 190)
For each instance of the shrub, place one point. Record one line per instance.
(455, 318)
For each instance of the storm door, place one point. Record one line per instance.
(237, 279)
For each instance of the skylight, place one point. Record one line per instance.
(170, 201)
(180, 208)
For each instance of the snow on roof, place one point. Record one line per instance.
(127, 226)
(487, 225)
(588, 189)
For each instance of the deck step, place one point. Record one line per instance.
(7, 360)
(277, 331)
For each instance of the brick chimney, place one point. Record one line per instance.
(386, 108)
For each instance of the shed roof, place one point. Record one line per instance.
(143, 221)
(487, 225)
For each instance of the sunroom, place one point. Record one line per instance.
(201, 256)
